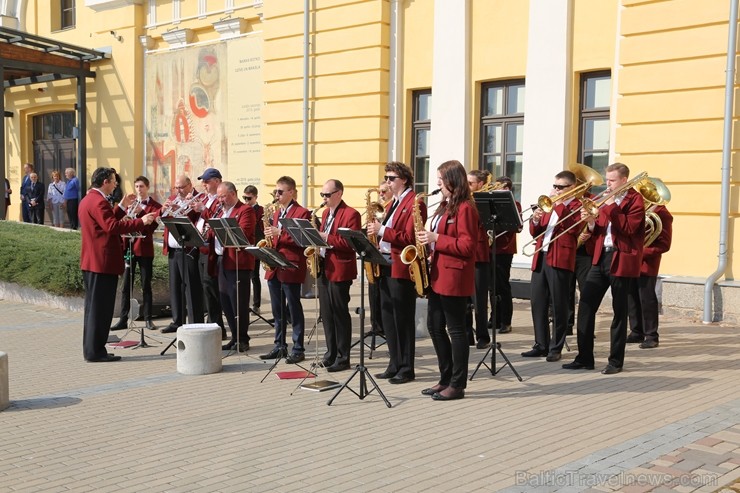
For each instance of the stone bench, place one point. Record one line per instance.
(199, 349)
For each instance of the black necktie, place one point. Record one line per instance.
(390, 211)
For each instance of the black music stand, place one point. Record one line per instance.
(498, 212)
(133, 302)
(186, 235)
(231, 235)
(368, 253)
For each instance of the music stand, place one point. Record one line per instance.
(132, 302)
(231, 235)
(186, 235)
(368, 253)
(498, 212)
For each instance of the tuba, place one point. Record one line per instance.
(415, 256)
(654, 193)
(373, 211)
(266, 223)
(312, 253)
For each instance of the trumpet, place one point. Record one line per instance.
(373, 211)
(312, 253)
(415, 256)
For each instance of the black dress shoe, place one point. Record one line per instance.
(505, 329)
(575, 365)
(534, 353)
(243, 347)
(449, 394)
(553, 357)
(338, 367)
(633, 338)
(275, 353)
(170, 328)
(121, 324)
(295, 358)
(648, 344)
(326, 363)
(150, 325)
(398, 379)
(385, 374)
(483, 344)
(229, 346)
(105, 359)
(433, 390)
(224, 335)
(611, 370)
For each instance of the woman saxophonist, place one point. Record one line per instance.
(452, 239)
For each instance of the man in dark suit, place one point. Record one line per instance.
(336, 276)
(250, 198)
(552, 269)
(35, 199)
(25, 183)
(618, 235)
(231, 266)
(139, 251)
(285, 284)
(8, 193)
(397, 291)
(101, 259)
(505, 250)
(643, 302)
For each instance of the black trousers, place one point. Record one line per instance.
(72, 205)
(598, 281)
(334, 299)
(100, 300)
(289, 304)
(211, 293)
(376, 318)
(145, 268)
(550, 288)
(36, 214)
(191, 279)
(398, 308)
(451, 344)
(227, 284)
(583, 265)
(480, 300)
(25, 211)
(643, 308)
(256, 286)
(504, 303)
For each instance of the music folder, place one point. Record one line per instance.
(184, 232)
(228, 232)
(366, 250)
(498, 205)
(271, 257)
(303, 232)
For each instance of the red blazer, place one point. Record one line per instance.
(288, 248)
(506, 243)
(144, 247)
(482, 250)
(561, 254)
(211, 213)
(651, 254)
(628, 234)
(244, 215)
(453, 259)
(101, 225)
(402, 234)
(193, 216)
(340, 262)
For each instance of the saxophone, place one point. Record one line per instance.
(415, 256)
(312, 253)
(266, 223)
(373, 211)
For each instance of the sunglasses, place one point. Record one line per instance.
(328, 194)
(247, 198)
(279, 192)
(560, 187)
(390, 178)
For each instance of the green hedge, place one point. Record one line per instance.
(47, 259)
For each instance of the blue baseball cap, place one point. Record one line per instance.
(210, 173)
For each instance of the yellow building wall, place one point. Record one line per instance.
(348, 95)
(669, 119)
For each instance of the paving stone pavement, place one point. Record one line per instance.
(669, 422)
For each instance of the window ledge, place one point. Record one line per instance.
(99, 5)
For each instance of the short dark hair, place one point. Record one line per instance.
(142, 179)
(569, 176)
(100, 175)
(480, 174)
(506, 181)
(251, 189)
(287, 180)
(401, 170)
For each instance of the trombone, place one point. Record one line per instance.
(640, 183)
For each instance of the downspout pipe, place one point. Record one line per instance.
(726, 156)
(304, 147)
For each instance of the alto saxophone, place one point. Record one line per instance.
(267, 214)
(311, 253)
(415, 256)
(373, 211)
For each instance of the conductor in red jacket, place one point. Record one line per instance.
(618, 235)
(451, 242)
(339, 270)
(101, 259)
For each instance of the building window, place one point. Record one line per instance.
(502, 130)
(54, 126)
(593, 131)
(68, 14)
(421, 128)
